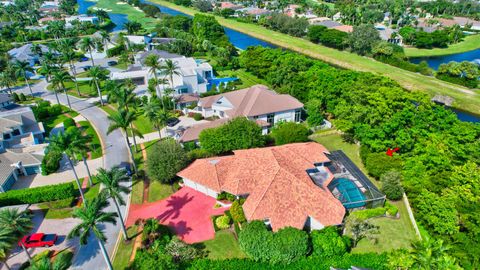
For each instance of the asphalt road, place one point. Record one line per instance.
(115, 154)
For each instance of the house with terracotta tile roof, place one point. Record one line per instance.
(289, 185)
(257, 103)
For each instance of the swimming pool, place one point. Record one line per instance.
(218, 81)
(350, 195)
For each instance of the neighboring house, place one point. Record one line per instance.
(252, 11)
(276, 182)
(5, 100)
(15, 164)
(81, 18)
(230, 5)
(192, 77)
(344, 28)
(140, 58)
(290, 10)
(257, 103)
(21, 145)
(25, 53)
(464, 22)
(19, 128)
(150, 41)
(6, 3)
(390, 35)
(46, 20)
(327, 23)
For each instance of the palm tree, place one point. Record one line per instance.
(82, 150)
(155, 114)
(123, 120)
(62, 261)
(153, 62)
(170, 68)
(97, 74)
(6, 241)
(87, 44)
(47, 70)
(132, 27)
(91, 216)
(59, 79)
(19, 223)
(105, 38)
(69, 143)
(69, 57)
(125, 98)
(7, 81)
(111, 187)
(21, 69)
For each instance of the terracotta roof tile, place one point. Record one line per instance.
(276, 182)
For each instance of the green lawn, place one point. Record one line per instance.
(125, 249)
(224, 246)
(394, 233)
(142, 123)
(158, 191)
(83, 86)
(465, 99)
(469, 43)
(132, 13)
(95, 144)
(122, 66)
(137, 193)
(247, 78)
(51, 122)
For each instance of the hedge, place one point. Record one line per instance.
(51, 162)
(237, 213)
(69, 122)
(364, 260)
(38, 194)
(369, 213)
(115, 51)
(223, 222)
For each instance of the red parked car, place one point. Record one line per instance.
(38, 240)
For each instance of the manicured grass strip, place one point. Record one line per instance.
(224, 246)
(465, 99)
(125, 249)
(83, 86)
(158, 191)
(469, 43)
(247, 78)
(137, 192)
(95, 145)
(142, 123)
(394, 233)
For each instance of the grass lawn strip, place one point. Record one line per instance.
(464, 98)
(469, 43)
(125, 249)
(133, 13)
(247, 78)
(394, 233)
(224, 246)
(95, 145)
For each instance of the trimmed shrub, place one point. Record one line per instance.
(115, 51)
(285, 246)
(165, 160)
(223, 222)
(237, 213)
(328, 242)
(379, 163)
(198, 153)
(15, 97)
(69, 122)
(22, 97)
(197, 116)
(38, 194)
(391, 185)
(226, 196)
(369, 213)
(391, 209)
(289, 132)
(51, 162)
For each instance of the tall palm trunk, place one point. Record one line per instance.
(171, 86)
(125, 235)
(99, 92)
(56, 96)
(77, 180)
(28, 84)
(88, 171)
(26, 251)
(159, 128)
(131, 152)
(9, 90)
(68, 99)
(74, 72)
(105, 254)
(91, 57)
(133, 137)
(160, 93)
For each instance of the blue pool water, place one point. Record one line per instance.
(351, 195)
(218, 81)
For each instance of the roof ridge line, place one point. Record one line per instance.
(265, 190)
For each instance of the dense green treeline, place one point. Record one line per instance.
(438, 153)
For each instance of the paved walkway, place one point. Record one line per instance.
(115, 153)
(187, 211)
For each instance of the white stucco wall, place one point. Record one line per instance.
(199, 187)
(314, 224)
(286, 116)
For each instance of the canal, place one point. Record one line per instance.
(238, 39)
(434, 62)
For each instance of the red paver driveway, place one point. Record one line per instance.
(187, 211)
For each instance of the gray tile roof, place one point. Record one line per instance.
(9, 157)
(162, 54)
(329, 23)
(25, 53)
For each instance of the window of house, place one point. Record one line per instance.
(271, 118)
(6, 136)
(255, 117)
(298, 115)
(16, 132)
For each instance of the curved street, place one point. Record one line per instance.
(115, 153)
